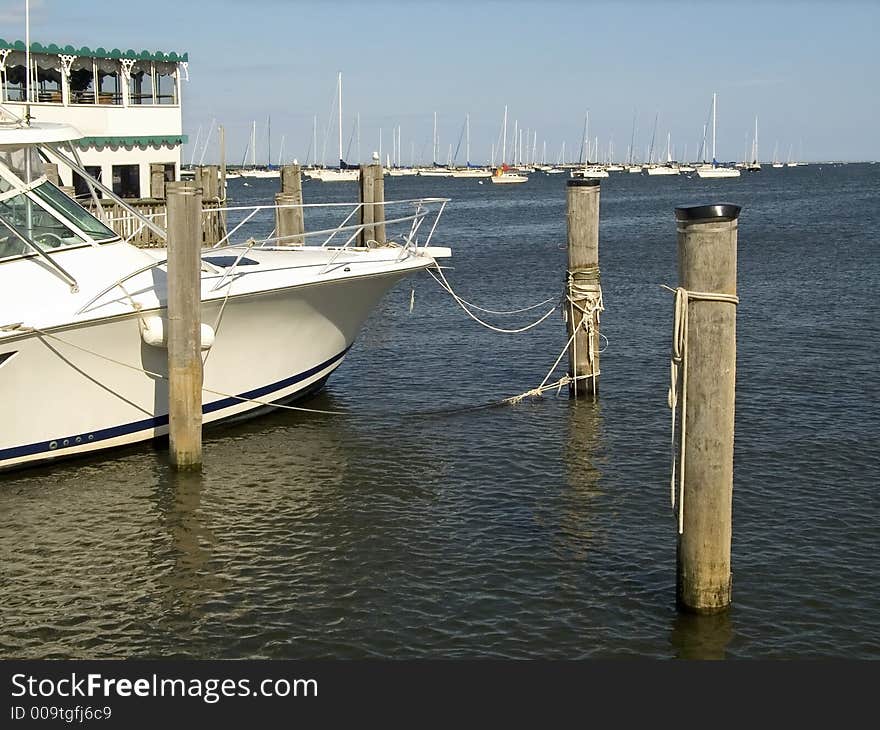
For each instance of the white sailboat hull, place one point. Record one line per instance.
(710, 172)
(333, 175)
(471, 173)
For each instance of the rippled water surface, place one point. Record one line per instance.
(415, 526)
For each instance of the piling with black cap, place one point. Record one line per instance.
(705, 354)
(184, 202)
(583, 287)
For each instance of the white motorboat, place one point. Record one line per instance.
(590, 172)
(503, 176)
(668, 169)
(83, 313)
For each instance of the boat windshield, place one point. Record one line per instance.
(21, 217)
(74, 212)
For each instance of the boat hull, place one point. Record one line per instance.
(98, 385)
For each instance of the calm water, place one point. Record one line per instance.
(537, 530)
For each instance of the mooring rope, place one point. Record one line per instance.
(583, 294)
(678, 373)
(446, 286)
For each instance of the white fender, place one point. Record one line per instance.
(154, 331)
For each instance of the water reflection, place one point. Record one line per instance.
(583, 456)
(695, 636)
(181, 550)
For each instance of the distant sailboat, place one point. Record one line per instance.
(754, 165)
(344, 173)
(501, 174)
(714, 170)
(469, 171)
(776, 162)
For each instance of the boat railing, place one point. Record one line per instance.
(406, 239)
(220, 225)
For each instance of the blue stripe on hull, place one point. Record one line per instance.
(56, 446)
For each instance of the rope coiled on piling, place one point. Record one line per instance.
(678, 373)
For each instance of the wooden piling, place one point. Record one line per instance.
(157, 181)
(211, 182)
(291, 185)
(582, 286)
(378, 203)
(184, 203)
(288, 221)
(367, 185)
(707, 239)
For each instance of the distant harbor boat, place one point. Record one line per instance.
(715, 170)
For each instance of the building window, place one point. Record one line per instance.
(169, 172)
(127, 181)
(82, 81)
(166, 82)
(140, 84)
(109, 81)
(48, 79)
(80, 185)
(14, 77)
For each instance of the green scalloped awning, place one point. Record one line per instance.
(170, 140)
(54, 48)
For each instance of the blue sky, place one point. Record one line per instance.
(808, 70)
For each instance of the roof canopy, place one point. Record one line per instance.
(54, 48)
(17, 134)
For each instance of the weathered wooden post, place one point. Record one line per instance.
(211, 182)
(184, 201)
(584, 293)
(157, 181)
(287, 221)
(367, 184)
(291, 185)
(704, 353)
(378, 203)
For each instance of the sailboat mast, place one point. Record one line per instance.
(467, 148)
(504, 138)
(434, 145)
(339, 104)
(756, 138)
(268, 141)
(254, 144)
(315, 137)
(713, 128)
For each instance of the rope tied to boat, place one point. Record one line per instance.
(678, 372)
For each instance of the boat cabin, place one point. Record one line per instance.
(127, 104)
